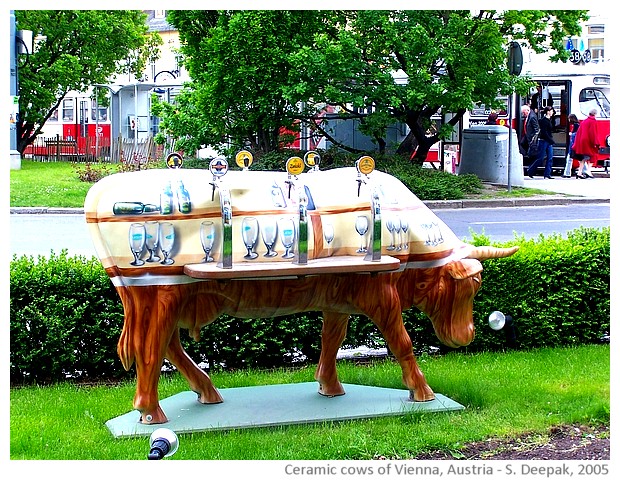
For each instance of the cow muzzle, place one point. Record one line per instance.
(459, 336)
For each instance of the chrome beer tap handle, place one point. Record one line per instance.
(227, 246)
(302, 238)
(374, 253)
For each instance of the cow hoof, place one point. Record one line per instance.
(336, 391)
(210, 396)
(153, 418)
(421, 395)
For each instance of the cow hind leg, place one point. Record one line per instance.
(389, 320)
(332, 335)
(198, 380)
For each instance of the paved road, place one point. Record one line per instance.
(37, 234)
(502, 224)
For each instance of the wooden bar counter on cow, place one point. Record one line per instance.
(183, 247)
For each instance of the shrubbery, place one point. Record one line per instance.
(66, 317)
(426, 183)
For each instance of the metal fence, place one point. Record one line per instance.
(89, 149)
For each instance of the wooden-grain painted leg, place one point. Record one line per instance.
(388, 318)
(198, 380)
(332, 335)
(150, 320)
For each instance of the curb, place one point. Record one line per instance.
(513, 202)
(432, 204)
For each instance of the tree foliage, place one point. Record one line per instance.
(254, 72)
(78, 49)
(239, 65)
(410, 65)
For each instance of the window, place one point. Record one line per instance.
(67, 110)
(597, 48)
(101, 111)
(596, 42)
(54, 116)
(590, 98)
(160, 14)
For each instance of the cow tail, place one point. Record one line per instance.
(125, 348)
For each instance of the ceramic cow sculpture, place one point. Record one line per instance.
(183, 247)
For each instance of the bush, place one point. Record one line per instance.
(66, 316)
(426, 183)
(65, 320)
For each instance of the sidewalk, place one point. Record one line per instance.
(567, 191)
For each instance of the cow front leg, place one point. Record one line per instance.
(388, 318)
(332, 335)
(150, 320)
(198, 380)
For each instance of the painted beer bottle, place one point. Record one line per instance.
(166, 200)
(185, 204)
(133, 208)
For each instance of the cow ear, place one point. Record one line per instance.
(464, 268)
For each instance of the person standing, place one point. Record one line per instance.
(586, 143)
(545, 144)
(573, 126)
(525, 111)
(530, 129)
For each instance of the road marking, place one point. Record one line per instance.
(512, 222)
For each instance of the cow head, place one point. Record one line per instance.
(448, 298)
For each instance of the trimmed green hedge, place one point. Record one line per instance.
(426, 183)
(66, 316)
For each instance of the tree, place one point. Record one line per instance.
(448, 61)
(239, 65)
(255, 72)
(78, 49)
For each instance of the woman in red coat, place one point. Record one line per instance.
(586, 143)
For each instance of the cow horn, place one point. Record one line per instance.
(486, 252)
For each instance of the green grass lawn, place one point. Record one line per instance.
(505, 395)
(57, 184)
(48, 184)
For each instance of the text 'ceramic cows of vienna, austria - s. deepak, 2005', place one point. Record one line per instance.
(183, 247)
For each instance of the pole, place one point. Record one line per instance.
(16, 159)
(96, 123)
(510, 101)
(135, 108)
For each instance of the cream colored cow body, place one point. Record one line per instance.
(422, 265)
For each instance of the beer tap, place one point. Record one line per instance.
(295, 166)
(312, 160)
(365, 166)
(360, 180)
(219, 168)
(226, 206)
(244, 159)
(374, 253)
(302, 240)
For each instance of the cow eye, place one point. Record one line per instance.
(476, 279)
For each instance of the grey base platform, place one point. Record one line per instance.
(274, 405)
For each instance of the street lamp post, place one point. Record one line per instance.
(16, 160)
(20, 42)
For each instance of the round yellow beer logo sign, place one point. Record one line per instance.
(365, 165)
(312, 159)
(244, 159)
(174, 160)
(294, 165)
